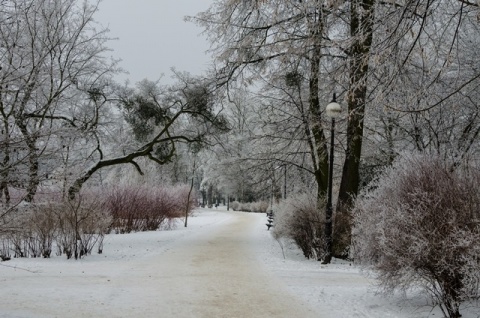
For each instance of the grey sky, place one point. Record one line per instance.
(152, 36)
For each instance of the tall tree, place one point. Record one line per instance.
(361, 24)
(276, 43)
(50, 54)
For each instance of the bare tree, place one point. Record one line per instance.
(51, 54)
(160, 118)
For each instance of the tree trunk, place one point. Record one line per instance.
(33, 178)
(187, 208)
(312, 124)
(361, 31)
(210, 196)
(319, 143)
(5, 165)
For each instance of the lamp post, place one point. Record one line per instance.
(333, 110)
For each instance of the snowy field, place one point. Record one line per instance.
(123, 281)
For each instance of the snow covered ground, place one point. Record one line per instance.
(194, 267)
(341, 290)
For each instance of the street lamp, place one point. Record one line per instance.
(333, 110)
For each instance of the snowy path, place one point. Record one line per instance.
(211, 271)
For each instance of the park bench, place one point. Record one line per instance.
(269, 220)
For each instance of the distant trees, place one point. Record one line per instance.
(275, 42)
(278, 45)
(419, 226)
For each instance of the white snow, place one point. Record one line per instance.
(118, 283)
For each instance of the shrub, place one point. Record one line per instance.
(235, 205)
(74, 227)
(42, 226)
(258, 207)
(29, 233)
(138, 208)
(420, 227)
(83, 223)
(299, 219)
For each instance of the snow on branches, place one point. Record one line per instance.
(419, 226)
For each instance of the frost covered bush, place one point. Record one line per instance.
(20, 238)
(141, 208)
(258, 207)
(420, 227)
(42, 230)
(235, 205)
(83, 223)
(72, 227)
(299, 220)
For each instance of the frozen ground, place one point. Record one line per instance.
(225, 264)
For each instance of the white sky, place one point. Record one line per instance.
(153, 37)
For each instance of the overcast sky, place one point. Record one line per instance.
(153, 37)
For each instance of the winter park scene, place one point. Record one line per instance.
(240, 158)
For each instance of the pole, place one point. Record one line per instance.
(329, 210)
(271, 195)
